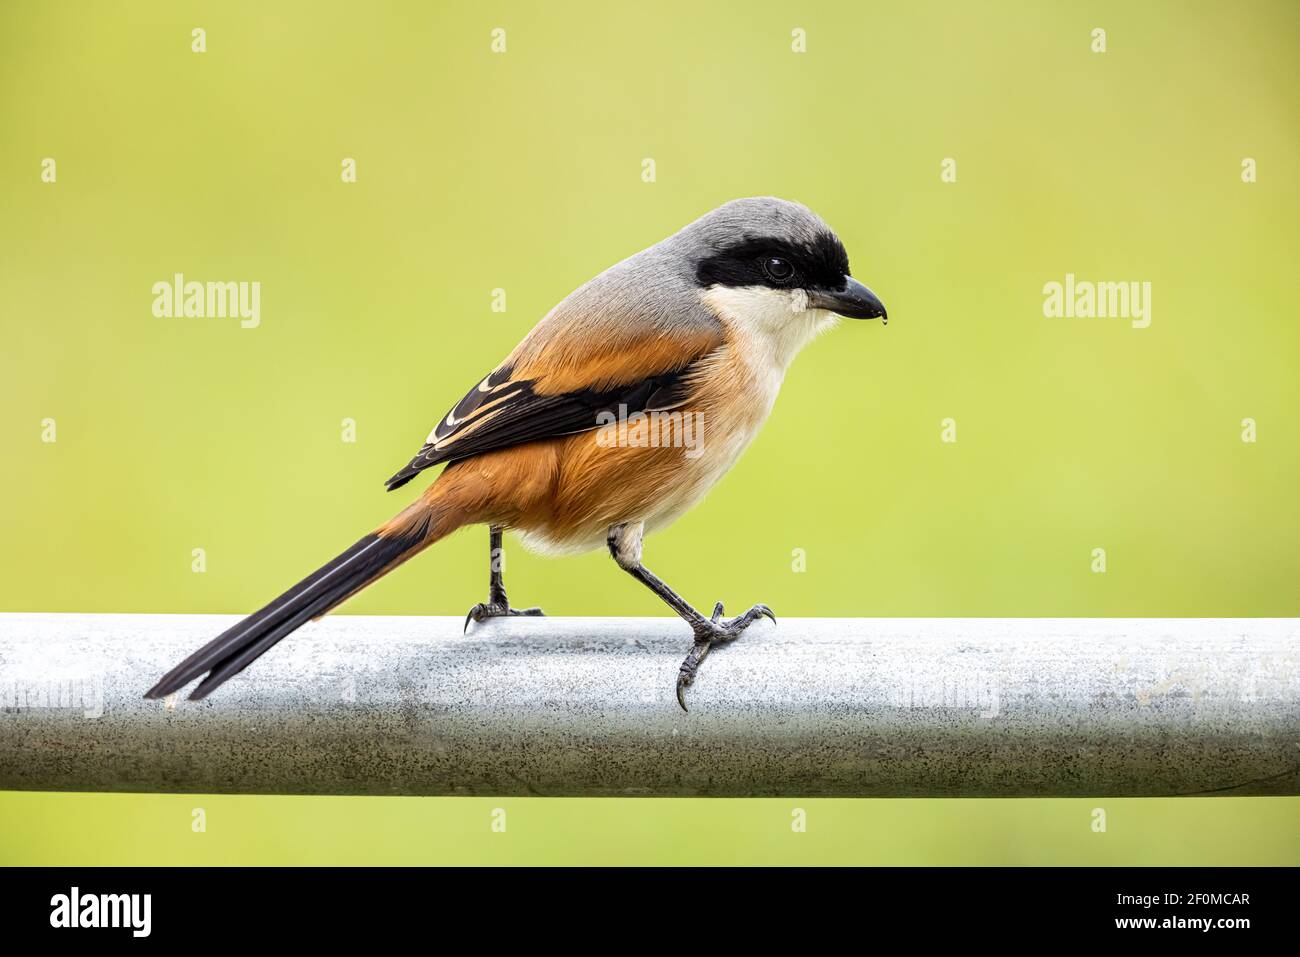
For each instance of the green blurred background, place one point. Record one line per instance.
(522, 170)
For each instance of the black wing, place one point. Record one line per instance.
(501, 411)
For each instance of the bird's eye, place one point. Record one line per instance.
(777, 270)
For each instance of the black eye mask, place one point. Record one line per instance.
(822, 262)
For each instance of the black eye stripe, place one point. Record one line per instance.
(821, 262)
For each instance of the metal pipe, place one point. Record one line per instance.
(563, 706)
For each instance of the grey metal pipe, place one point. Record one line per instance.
(562, 706)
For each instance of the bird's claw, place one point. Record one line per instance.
(485, 610)
(707, 634)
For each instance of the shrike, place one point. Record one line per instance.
(699, 328)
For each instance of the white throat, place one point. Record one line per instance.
(774, 323)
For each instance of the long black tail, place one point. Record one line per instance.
(236, 648)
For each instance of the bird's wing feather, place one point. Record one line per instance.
(557, 384)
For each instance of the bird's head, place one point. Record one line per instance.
(774, 266)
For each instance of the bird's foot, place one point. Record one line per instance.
(499, 609)
(714, 631)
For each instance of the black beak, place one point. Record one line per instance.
(852, 301)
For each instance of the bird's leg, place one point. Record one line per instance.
(625, 546)
(497, 605)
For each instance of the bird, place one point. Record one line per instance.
(698, 328)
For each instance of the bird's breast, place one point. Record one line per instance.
(653, 467)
